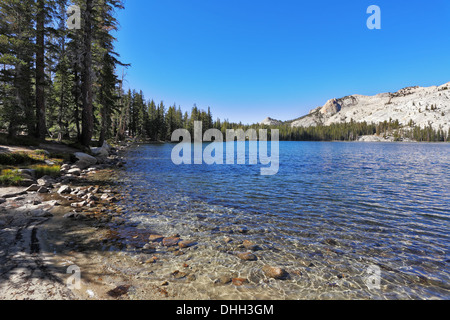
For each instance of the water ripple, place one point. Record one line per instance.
(333, 209)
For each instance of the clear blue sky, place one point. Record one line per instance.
(250, 59)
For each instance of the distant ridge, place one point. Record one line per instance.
(422, 105)
(270, 122)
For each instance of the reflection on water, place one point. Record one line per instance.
(333, 210)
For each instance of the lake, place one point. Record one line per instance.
(333, 214)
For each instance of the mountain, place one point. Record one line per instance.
(422, 105)
(271, 122)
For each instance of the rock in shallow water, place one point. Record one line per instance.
(275, 273)
(223, 280)
(155, 238)
(331, 242)
(186, 243)
(249, 245)
(148, 248)
(170, 241)
(239, 281)
(227, 240)
(246, 256)
(178, 274)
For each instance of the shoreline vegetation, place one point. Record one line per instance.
(65, 85)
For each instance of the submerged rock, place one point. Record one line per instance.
(246, 256)
(227, 240)
(249, 245)
(331, 242)
(155, 238)
(148, 248)
(186, 243)
(223, 280)
(170, 241)
(239, 281)
(151, 260)
(191, 277)
(240, 229)
(178, 274)
(275, 273)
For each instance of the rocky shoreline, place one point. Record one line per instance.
(36, 218)
(75, 221)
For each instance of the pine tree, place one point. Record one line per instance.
(87, 114)
(41, 129)
(17, 26)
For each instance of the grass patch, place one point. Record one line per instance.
(9, 177)
(26, 158)
(57, 161)
(46, 170)
(37, 157)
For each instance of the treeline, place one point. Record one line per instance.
(350, 131)
(335, 132)
(63, 83)
(56, 81)
(156, 122)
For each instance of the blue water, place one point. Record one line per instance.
(333, 210)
